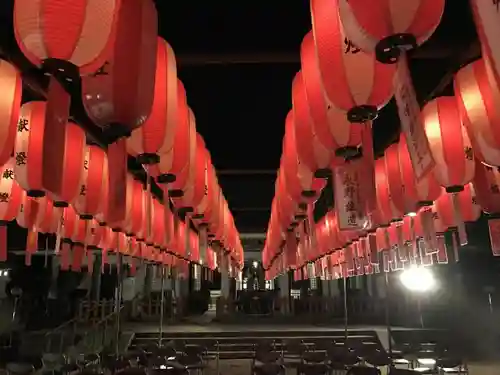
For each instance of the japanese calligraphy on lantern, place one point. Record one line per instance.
(348, 201)
(411, 124)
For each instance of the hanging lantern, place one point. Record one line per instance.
(310, 151)
(330, 124)
(66, 35)
(65, 187)
(28, 151)
(386, 207)
(451, 150)
(92, 189)
(156, 136)
(388, 27)
(31, 216)
(486, 16)
(10, 81)
(467, 203)
(173, 165)
(10, 203)
(403, 202)
(487, 188)
(478, 100)
(354, 81)
(118, 96)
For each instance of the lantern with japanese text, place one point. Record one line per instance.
(330, 124)
(486, 184)
(451, 149)
(118, 96)
(389, 27)
(478, 100)
(10, 203)
(28, 149)
(10, 81)
(354, 81)
(91, 200)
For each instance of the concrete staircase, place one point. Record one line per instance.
(237, 344)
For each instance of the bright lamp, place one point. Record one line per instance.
(418, 279)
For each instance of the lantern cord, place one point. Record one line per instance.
(118, 296)
(187, 242)
(346, 314)
(413, 238)
(88, 233)
(46, 260)
(60, 227)
(148, 205)
(458, 218)
(3, 243)
(162, 303)
(387, 311)
(430, 237)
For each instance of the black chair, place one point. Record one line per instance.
(70, 368)
(362, 370)
(192, 362)
(269, 369)
(398, 371)
(313, 369)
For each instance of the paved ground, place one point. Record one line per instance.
(242, 367)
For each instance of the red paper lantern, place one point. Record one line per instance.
(386, 207)
(301, 182)
(451, 149)
(310, 151)
(10, 203)
(93, 188)
(137, 217)
(478, 100)
(28, 151)
(173, 165)
(425, 191)
(467, 205)
(487, 187)
(486, 15)
(330, 124)
(31, 215)
(65, 187)
(388, 27)
(10, 104)
(118, 96)
(156, 136)
(81, 33)
(353, 80)
(405, 203)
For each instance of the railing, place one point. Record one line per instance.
(93, 317)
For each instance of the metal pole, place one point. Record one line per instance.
(387, 314)
(346, 316)
(119, 285)
(162, 303)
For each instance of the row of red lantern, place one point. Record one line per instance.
(81, 235)
(403, 189)
(129, 87)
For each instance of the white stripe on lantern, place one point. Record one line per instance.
(96, 31)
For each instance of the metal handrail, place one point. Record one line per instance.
(62, 327)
